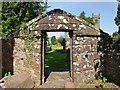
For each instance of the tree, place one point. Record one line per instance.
(82, 15)
(117, 18)
(53, 40)
(88, 19)
(116, 35)
(60, 39)
(16, 14)
(48, 43)
(47, 40)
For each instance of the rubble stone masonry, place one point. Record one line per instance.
(92, 49)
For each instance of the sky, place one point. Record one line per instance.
(107, 11)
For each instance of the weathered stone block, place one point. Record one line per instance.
(80, 77)
(92, 56)
(90, 40)
(21, 80)
(88, 31)
(85, 41)
(84, 77)
(75, 58)
(35, 65)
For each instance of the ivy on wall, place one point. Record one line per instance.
(29, 38)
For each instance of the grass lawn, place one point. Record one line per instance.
(56, 59)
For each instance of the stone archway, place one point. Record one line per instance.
(85, 44)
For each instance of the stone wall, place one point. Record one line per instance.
(19, 56)
(85, 53)
(27, 57)
(112, 63)
(92, 52)
(86, 58)
(91, 55)
(110, 59)
(95, 55)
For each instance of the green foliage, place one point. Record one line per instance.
(29, 44)
(114, 34)
(117, 18)
(7, 74)
(48, 43)
(102, 82)
(47, 40)
(55, 59)
(82, 15)
(88, 19)
(60, 39)
(49, 48)
(53, 40)
(116, 37)
(16, 14)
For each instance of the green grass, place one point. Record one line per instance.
(56, 59)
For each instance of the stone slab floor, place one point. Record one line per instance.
(56, 80)
(62, 80)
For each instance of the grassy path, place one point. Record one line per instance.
(56, 59)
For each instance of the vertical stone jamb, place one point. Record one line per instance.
(71, 55)
(42, 56)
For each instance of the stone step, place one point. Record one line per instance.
(69, 85)
(56, 80)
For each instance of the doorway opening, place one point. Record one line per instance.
(57, 54)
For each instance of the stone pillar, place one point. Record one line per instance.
(85, 58)
(71, 55)
(37, 62)
(43, 55)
